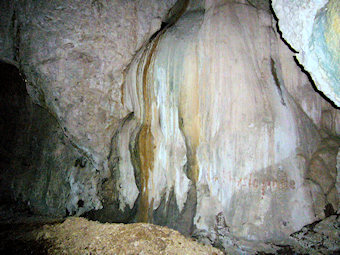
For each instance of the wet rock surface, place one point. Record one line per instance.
(206, 126)
(199, 133)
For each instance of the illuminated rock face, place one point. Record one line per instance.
(217, 119)
(204, 128)
(312, 28)
(73, 54)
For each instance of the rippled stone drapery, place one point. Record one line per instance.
(205, 127)
(217, 119)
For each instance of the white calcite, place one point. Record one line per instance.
(128, 190)
(216, 111)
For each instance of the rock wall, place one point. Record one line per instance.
(206, 126)
(39, 165)
(219, 122)
(312, 29)
(74, 54)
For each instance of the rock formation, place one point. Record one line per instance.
(192, 115)
(312, 29)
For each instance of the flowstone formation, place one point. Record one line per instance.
(207, 126)
(221, 137)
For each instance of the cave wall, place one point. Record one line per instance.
(74, 54)
(312, 30)
(208, 123)
(200, 134)
(39, 165)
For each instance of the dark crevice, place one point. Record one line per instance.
(276, 80)
(13, 121)
(174, 14)
(329, 210)
(80, 203)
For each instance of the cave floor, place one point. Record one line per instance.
(16, 227)
(21, 232)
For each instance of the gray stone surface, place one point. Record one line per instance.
(39, 166)
(55, 178)
(74, 54)
(319, 238)
(337, 184)
(201, 128)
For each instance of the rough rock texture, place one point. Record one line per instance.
(322, 173)
(80, 236)
(337, 185)
(198, 130)
(73, 54)
(39, 165)
(319, 238)
(312, 28)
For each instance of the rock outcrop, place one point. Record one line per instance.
(220, 122)
(319, 238)
(39, 165)
(206, 126)
(312, 29)
(74, 54)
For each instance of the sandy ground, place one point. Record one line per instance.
(81, 236)
(36, 235)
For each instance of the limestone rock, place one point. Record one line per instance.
(197, 130)
(74, 54)
(220, 120)
(330, 120)
(55, 178)
(323, 172)
(312, 29)
(319, 238)
(333, 198)
(337, 185)
(39, 165)
(8, 44)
